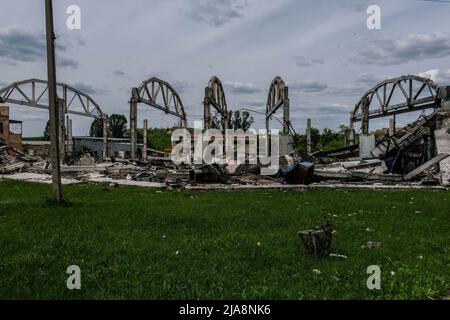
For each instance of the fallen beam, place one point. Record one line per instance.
(436, 160)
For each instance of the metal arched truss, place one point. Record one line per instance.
(396, 96)
(278, 97)
(162, 96)
(32, 93)
(215, 97)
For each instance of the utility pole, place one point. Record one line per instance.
(53, 104)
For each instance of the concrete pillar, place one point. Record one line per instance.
(61, 130)
(133, 122)
(69, 136)
(392, 125)
(308, 137)
(365, 117)
(351, 132)
(286, 112)
(144, 142)
(105, 135)
(207, 111)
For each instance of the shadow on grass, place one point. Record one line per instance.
(51, 203)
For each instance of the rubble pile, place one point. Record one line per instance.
(417, 155)
(411, 155)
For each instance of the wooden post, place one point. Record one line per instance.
(144, 142)
(133, 122)
(53, 104)
(308, 137)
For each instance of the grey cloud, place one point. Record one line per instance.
(67, 63)
(415, 47)
(241, 88)
(119, 73)
(181, 86)
(22, 46)
(304, 62)
(215, 12)
(88, 89)
(441, 77)
(323, 108)
(308, 86)
(348, 90)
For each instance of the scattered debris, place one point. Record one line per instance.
(340, 256)
(372, 245)
(416, 157)
(317, 241)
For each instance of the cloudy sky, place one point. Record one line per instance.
(322, 49)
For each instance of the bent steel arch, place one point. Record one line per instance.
(31, 93)
(417, 94)
(161, 95)
(278, 97)
(215, 97)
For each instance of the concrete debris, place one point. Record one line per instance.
(416, 156)
(372, 245)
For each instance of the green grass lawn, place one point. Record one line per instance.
(144, 244)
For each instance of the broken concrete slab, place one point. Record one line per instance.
(37, 178)
(128, 183)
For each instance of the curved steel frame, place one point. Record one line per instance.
(215, 97)
(148, 93)
(278, 97)
(383, 94)
(70, 94)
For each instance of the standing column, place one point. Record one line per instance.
(62, 131)
(133, 122)
(308, 137)
(286, 112)
(105, 135)
(365, 116)
(351, 131)
(69, 136)
(144, 142)
(391, 127)
(207, 111)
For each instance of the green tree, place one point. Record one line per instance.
(96, 128)
(117, 126)
(46, 133)
(236, 121)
